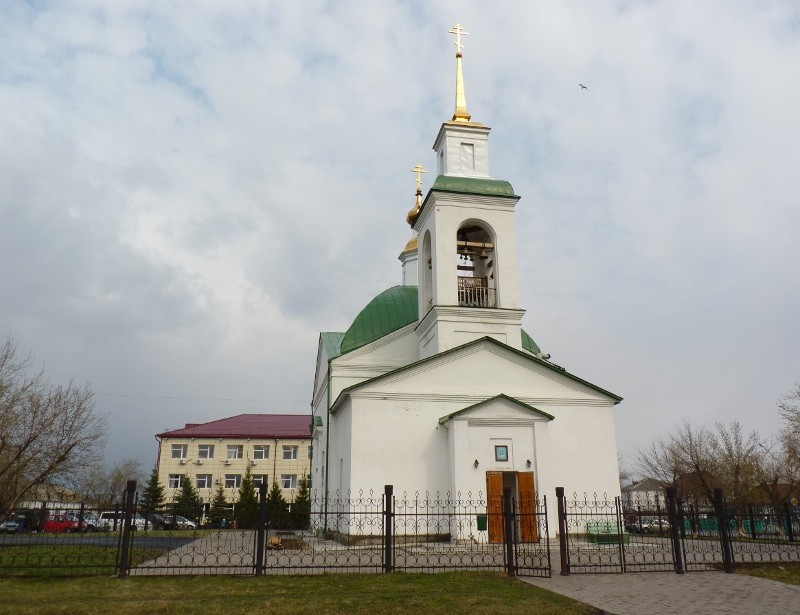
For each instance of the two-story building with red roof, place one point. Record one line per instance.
(276, 448)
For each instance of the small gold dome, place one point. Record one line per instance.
(414, 211)
(411, 246)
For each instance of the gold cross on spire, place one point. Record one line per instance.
(419, 171)
(458, 30)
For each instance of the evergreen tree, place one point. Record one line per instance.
(188, 504)
(153, 496)
(301, 507)
(247, 507)
(276, 508)
(220, 509)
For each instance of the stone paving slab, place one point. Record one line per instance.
(657, 593)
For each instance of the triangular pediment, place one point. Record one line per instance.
(480, 370)
(498, 406)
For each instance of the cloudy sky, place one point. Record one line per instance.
(191, 191)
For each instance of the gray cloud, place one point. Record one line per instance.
(187, 197)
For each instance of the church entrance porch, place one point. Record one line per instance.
(520, 486)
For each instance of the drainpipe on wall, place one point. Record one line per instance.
(327, 450)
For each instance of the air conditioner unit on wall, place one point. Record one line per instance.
(183, 462)
(199, 462)
(252, 462)
(227, 462)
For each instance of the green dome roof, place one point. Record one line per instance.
(391, 310)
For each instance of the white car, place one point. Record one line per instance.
(106, 520)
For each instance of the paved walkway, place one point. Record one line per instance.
(698, 593)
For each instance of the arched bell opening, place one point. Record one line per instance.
(475, 254)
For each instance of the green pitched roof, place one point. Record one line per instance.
(393, 309)
(332, 342)
(528, 343)
(473, 185)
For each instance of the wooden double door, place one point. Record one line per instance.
(523, 500)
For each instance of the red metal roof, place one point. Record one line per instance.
(296, 426)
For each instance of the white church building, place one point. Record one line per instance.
(435, 387)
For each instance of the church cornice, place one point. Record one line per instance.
(352, 391)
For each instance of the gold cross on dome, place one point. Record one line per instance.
(419, 171)
(458, 30)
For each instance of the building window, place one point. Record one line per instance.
(233, 481)
(204, 481)
(175, 481)
(288, 481)
(290, 452)
(259, 479)
(179, 451)
(205, 451)
(235, 451)
(261, 451)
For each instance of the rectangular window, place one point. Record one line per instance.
(289, 481)
(233, 481)
(261, 451)
(259, 479)
(204, 481)
(175, 481)
(179, 451)
(235, 451)
(205, 451)
(290, 452)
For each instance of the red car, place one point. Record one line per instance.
(59, 524)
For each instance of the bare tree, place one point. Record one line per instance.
(48, 433)
(789, 409)
(104, 487)
(696, 460)
(735, 458)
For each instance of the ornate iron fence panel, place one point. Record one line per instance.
(344, 534)
(647, 543)
(532, 539)
(68, 540)
(761, 534)
(593, 536)
(434, 532)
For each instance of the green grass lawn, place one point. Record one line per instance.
(785, 573)
(434, 594)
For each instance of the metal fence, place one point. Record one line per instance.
(386, 532)
(367, 533)
(600, 535)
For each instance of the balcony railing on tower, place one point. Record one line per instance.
(475, 292)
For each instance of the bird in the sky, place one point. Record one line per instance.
(583, 86)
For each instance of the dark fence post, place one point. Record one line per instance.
(388, 527)
(124, 564)
(508, 527)
(788, 520)
(562, 530)
(675, 530)
(724, 529)
(751, 518)
(261, 528)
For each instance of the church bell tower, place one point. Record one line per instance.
(467, 251)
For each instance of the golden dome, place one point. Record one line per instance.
(411, 246)
(414, 211)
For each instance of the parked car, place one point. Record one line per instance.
(22, 521)
(9, 525)
(106, 521)
(62, 523)
(171, 522)
(90, 520)
(648, 526)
